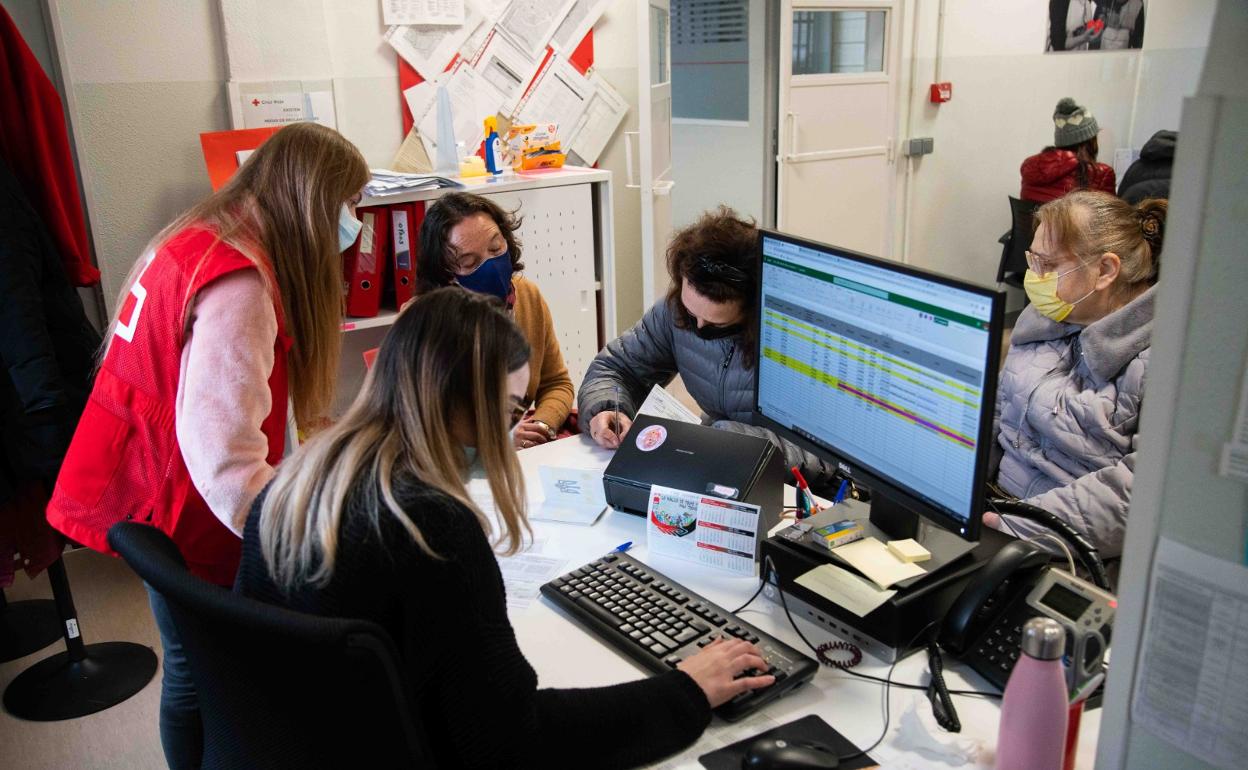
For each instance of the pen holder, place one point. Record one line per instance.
(1073, 716)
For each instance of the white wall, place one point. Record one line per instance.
(615, 59)
(323, 39)
(714, 164)
(1004, 91)
(142, 80)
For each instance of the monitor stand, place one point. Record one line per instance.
(890, 520)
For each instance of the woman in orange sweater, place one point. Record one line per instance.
(470, 241)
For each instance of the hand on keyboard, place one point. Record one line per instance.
(723, 669)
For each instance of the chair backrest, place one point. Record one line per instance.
(279, 688)
(1022, 228)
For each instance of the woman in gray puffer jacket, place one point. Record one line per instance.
(1072, 384)
(705, 331)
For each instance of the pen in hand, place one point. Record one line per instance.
(615, 418)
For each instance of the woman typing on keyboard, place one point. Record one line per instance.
(370, 519)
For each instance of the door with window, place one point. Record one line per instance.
(654, 112)
(835, 142)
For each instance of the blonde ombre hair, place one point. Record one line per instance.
(281, 211)
(445, 361)
(1089, 223)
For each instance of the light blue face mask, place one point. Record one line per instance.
(348, 228)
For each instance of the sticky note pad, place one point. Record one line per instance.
(909, 550)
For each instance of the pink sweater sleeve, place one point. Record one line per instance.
(223, 394)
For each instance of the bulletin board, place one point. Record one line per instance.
(523, 60)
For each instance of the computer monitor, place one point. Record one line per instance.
(885, 370)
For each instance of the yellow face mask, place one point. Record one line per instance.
(1042, 291)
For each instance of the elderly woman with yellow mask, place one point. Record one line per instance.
(1072, 384)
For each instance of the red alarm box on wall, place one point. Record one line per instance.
(363, 263)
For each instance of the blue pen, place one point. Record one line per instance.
(840, 493)
(622, 547)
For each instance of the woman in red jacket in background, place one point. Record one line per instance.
(233, 312)
(1070, 163)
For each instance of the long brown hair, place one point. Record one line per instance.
(717, 255)
(446, 358)
(281, 211)
(1091, 223)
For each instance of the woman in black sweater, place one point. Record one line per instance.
(370, 519)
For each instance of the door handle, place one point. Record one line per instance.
(791, 117)
(631, 181)
(663, 187)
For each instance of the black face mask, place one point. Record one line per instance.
(719, 332)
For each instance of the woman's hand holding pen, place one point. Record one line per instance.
(608, 428)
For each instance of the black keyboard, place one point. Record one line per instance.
(658, 623)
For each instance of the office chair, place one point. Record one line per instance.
(279, 688)
(1016, 242)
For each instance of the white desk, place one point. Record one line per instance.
(565, 655)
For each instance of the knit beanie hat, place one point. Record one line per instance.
(1072, 124)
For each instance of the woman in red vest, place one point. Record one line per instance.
(228, 327)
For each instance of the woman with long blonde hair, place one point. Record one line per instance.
(231, 315)
(370, 519)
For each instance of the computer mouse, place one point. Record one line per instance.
(779, 754)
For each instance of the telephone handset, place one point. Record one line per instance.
(1011, 571)
(984, 625)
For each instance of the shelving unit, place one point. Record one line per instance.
(568, 251)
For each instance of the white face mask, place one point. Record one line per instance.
(348, 228)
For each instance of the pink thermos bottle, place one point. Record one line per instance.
(1034, 709)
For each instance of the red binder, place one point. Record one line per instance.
(362, 264)
(405, 220)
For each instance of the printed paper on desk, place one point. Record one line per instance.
(845, 589)
(704, 529)
(660, 403)
(572, 495)
(422, 12)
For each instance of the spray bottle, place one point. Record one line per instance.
(493, 149)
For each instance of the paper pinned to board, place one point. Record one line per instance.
(469, 106)
(581, 18)
(1191, 686)
(429, 49)
(873, 559)
(531, 23)
(422, 12)
(845, 589)
(506, 68)
(603, 114)
(660, 403)
(559, 94)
